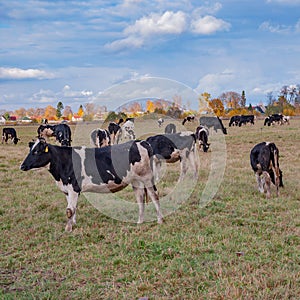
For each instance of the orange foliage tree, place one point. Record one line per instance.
(216, 105)
(50, 113)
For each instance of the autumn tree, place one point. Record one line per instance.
(59, 108)
(80, 112)
(216, 105)
(204, 99)
(150, 106)
(50, 112)
(67, 113)
(231, 99)
(21, 112)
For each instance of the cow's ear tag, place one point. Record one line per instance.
(46, 149)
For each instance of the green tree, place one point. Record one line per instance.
(243, 99)
(59, 108)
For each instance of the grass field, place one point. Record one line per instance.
(239, 246)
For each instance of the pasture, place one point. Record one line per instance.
(238, 246)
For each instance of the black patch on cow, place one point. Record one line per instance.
(111, 163)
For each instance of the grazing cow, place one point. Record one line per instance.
(264, 159)
(170, 128)
(62, 133)
(114, 131)
(271, 119)
(174, 147)
(9, 133)
(234, 121)
(160, 121)
(246, 119)
(97, 170)
(127, 130)
(188, 119)
(213, 122)
(202, 134)
(100, 138)
(286, 119)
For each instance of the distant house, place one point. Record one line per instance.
(2, 120)
(260, 108)
(26, 120)
(77, 118)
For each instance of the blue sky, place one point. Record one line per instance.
(73, 51)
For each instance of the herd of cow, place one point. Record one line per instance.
(110, 166)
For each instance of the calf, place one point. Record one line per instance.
(114, 130)
(246, 119)
(170, 128)
(62, 133)
(174, 147)
(188, 119)
(100, 138)
(97, 170)
(264, 160)
(234, 121)
(213, 122)
(9, 133)
(202, 137)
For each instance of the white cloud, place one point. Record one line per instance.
(207, 10)
(167, 23)
(266, 26)
(67, 92)
(16, 73)
(209, 25)
(216, 83)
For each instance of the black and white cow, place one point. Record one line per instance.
(127, 130)
(202, 134)
(9, 133)
(246, 119)
(98, 170)
(114, 130)
(213, 122)
(188, 119)
(62, 133)
(174, 147)
(234, 121)
(160, 121)
(274, 118)
(100, 138)
(170, 128)
(264, 160)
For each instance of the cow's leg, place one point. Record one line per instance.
(259, 183)
(154, 197)
(139, 195)
(267, 183)
(72, 198)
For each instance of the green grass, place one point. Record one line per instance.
(239, 246)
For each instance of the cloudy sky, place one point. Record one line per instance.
(73, 51)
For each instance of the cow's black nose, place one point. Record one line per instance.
(23, 168)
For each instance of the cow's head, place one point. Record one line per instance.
(38, 156)
(15, 140)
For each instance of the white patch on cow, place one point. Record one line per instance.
(110, 173)
(36, 142)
